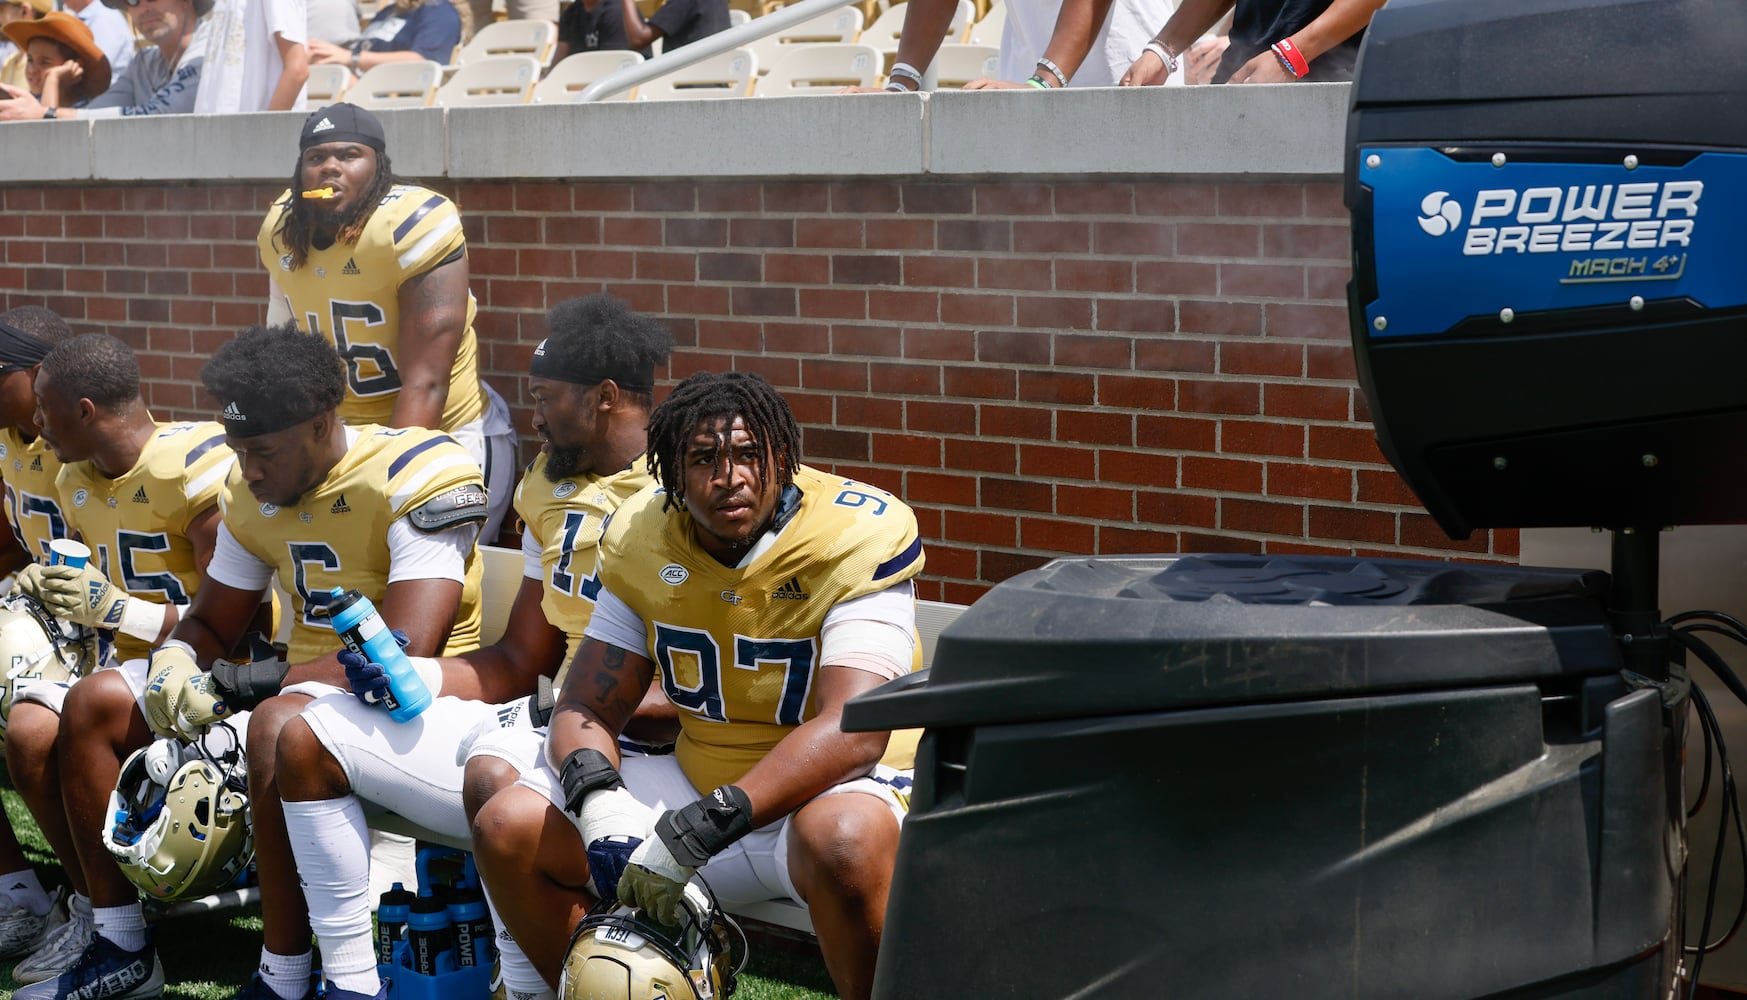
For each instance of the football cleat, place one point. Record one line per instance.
(104, 972)
(22, 932)
(60, 948)
(258, 990)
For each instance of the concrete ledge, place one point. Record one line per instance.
(1292, 130)
(1286, 131)
(45, 152)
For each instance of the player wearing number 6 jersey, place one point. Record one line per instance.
(762, 595)
(380, 269)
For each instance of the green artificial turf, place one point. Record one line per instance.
(210, 956)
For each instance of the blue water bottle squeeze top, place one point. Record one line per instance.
(363, 631)
(391, 917)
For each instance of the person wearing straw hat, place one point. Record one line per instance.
(162, 79)
(63, 66)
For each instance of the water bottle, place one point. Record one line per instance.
(430, 937)
(473, 931)
(391, 916)
(363, 631)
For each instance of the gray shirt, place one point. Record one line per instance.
(335, 21)
(152, 86)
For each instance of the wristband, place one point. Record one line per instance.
(142, 619)
(1291, 58)
(584, 771)
(1054, 70)
(698, 832)
(1165, 55)
(51, 114)
(1037, 81)
(907, 72)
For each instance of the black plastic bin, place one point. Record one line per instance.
(1236, 776)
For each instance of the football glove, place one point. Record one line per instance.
(170, 667)
(654, 882)
(613, 824)
(80, 595)
(199, 704)
(369, 680)
(245, 685)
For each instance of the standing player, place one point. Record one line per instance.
(313, 503)
(380, 269)
(591, 381)
(28, 469)
(764, 594)
(143, 496)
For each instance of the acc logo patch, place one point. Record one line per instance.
(563, 490)
(285, 261)
(268, 510)
(673, 574)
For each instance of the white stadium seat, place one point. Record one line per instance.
(511, 38)
(727, 74)
(497, 80)
(327, 84)
(820, 69)
(841, 25)
(396, 85)
(957, 65)
(988, 30)
(573, 75)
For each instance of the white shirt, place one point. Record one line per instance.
(1119, 42)
(243, 65)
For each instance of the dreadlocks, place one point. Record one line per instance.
(296, 232)
(703, 400)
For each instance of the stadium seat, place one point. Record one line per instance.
(988, 30)
(737, 17)
(532, 38)
(820, 69)
(729, 74)
(396, 85)
(327, 84)
(573, 75)
(957, 65)
(841, 25)
(883, 33)
(497, 80)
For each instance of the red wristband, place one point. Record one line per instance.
(1291, 58)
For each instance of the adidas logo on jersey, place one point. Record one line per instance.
(36, 464)
(340, 506)
(139, 496)
(790, 591)
(351, 267)
(322, 126)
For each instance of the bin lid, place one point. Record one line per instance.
(1113, 635)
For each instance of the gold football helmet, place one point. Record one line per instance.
(618, 953)
(179, 819)
(35, 646)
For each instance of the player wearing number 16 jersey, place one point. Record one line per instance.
(761, 595)
(380, 269)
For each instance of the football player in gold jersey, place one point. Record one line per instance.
(315, 504)
(143, 496)
(28, 469)
(764, 595)
(379, 267)
(591, 380)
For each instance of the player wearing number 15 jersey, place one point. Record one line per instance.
(762, 595)
(380, 269)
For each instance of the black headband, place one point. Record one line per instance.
(20, 348)
(257, 417)
(545, 366)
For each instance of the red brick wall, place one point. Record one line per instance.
(1039, 368)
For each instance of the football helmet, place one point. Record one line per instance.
(35, 646)
(619, 953)
(179, 818)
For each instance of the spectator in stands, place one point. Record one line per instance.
(1272, 41)
(11, 55)
(110, 27)
(592, 26)
(677, 22)
(1046, 43)
(404, 31)
(63, 65)
(162, 80)
(259, 61)
(335, 22)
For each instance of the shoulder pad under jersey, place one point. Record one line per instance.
(461, 505)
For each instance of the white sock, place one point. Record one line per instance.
(521, 981)
(332, 848)
(123, 926)
(23, 890)
(286, 975)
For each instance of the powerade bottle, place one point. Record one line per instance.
(473, 931)
(429, 937)
(391, 914)
(364, 632)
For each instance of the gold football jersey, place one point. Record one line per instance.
(337, 535)
(737, 649)
(137, 523)
(565, 518)
(350, 294)
(32, 505)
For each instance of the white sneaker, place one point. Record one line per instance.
(22, 932)
(60, 948)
